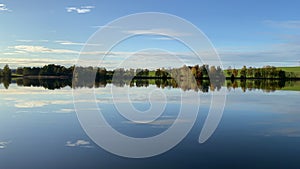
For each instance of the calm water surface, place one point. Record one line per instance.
(39, 129)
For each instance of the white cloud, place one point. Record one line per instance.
(80, 10)
(88, 7)
(3, 144)
(69, 43)
(24, 40)
(4, 8)
(9, 53)
(78, 143)
(42, 49)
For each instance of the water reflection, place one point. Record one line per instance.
(43, 125)
(200, 85)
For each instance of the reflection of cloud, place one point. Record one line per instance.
(79, 143)
(160, 122)
(3, 144)
(65, 111)
(12, 92)
(286, 132)
(30, 104)
(168, 122)
(40, 103)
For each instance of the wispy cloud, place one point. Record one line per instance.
(79, 143)
(80, 10)
(64, 42)
(42, 49)
(61, 42)
(291, 24)
(28, 41)
(275, 55)
(167, 32)
(16, 62)
(4, 8)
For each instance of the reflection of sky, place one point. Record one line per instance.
(43, 125)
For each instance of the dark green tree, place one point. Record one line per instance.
(6, 72)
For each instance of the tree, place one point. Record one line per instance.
(235, 72)
(19, 71)
(158, 73)
(229, 71)
(194, 71)
(146, 73)
(281, 74)
(101, 73)
(250, 72)
(243, 72)
(257, 73)
(6, 72)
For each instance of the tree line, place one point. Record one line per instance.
(184, 72)
(266, 72)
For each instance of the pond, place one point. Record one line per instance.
(39, 128)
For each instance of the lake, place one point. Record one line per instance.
(39, 128)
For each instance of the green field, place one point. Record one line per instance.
(295, 69)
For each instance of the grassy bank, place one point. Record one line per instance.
(295, 70)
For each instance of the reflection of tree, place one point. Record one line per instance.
(182, 83)
(50, 84)
(262, 84)
(6, 82)
(6, 76)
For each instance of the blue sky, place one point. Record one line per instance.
(254, 33)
